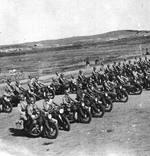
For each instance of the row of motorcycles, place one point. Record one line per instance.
(58, 118)
(99, 92)
(98, 97)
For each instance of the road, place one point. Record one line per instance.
(123, 132)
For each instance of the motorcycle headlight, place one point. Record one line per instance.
(50, 87)
(61, 111)
(6, 99)
(82, 104)
(106, 94)
(50, 116)
(96, 99)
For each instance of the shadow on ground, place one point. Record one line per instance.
(17, 132)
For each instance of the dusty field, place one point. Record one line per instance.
(45, 62)
(123, 132)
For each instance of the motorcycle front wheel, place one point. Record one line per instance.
(108, 105)
(51, 131)
(86, 116)
(66, 123)
(7, 107)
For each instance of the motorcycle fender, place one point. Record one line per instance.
(60, 117)
(89, 108)
(76, 115)
(54, 120)
(124, 89)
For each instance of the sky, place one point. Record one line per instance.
(35, 20)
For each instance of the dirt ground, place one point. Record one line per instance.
(123, 132)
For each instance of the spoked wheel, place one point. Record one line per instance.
(100, 111)
(123, 96)
(86, 117)
(35, 131)
(51, 131)
(138, 90)
(7, 107)
(108, 105)
(66, 123)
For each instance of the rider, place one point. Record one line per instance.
(94, 74)
(66, 99)
(107, 69)
(118, 67)
(39, 86)
(19, 87)
(31, 83)
(38, 83)
(73, 80)
(48, 103)
(54, 82)
(61, 79)
(81, 77)
(22, 107)
(114, 67)
(79, 93)
(9, 88)
(101, 75)
(146, 62)
(122, 79)
(57, 75)
(73, 84)
(33, 112)
(140, 63)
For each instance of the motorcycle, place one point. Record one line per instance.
(43, 126)
(77, 112)
(73, 87)
(133, 88)
(6, 106)
(58, 114)
(119, 94)
(105, 100)
(122, 95)
(146, 82)
(94, 106)
(47, 89)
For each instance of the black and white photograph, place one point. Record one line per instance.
(74, 78)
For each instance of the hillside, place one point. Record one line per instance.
(80, 41)
(64, 55)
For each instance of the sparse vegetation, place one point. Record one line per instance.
(48, 57)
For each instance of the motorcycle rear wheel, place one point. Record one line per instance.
(35, 131)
